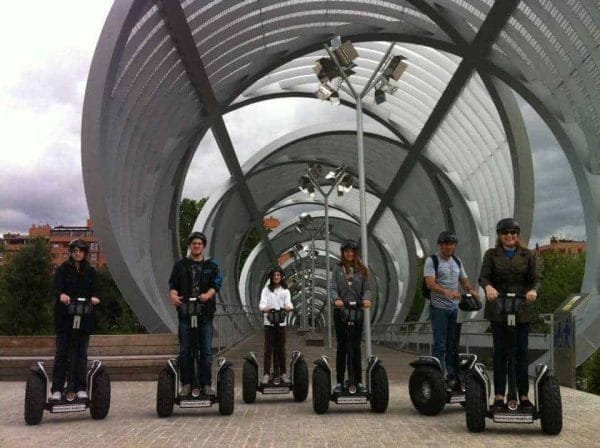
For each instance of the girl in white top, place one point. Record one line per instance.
(275, 296)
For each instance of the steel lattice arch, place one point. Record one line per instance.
(450, 149)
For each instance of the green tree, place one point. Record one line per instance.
(250, 243)
(113, 315)
(189, 210)
(26, 299)
(562, 275)
(418, 301)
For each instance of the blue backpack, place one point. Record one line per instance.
(436, 262)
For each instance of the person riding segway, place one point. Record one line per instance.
(186, 381)
(350, 292)
(436, 379)
(74, 388)
(275, 303)
(510, 277)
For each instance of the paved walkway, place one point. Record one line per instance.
(281, 422)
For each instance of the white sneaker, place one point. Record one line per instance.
(82, 395)
(56, 396)
(265, 379)
(285, 378)
(185, 390)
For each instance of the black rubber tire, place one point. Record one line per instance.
(249, 382)
(475, 403)
(550, 406)
(226, 391)
(35, 398)
(165, 393)
(422, 376)
(380, 391)
(321, 389)
(300, 387)
(100, 403)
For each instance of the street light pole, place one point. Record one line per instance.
(361, 168)
(312, 283)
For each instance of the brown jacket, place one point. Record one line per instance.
(510, 275)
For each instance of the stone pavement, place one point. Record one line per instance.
(279, 421)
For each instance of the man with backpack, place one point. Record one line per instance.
(442, 274)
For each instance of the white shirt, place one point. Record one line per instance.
(277, 299)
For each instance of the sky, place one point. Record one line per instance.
(47, 48)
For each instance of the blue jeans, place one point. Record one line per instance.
(204, 334)
(443, 327)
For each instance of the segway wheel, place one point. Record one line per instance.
(35, 398)
(249, 382)
(300, 387)
(100, 395)
(475, 404)
(550, 406)
(321, 388)
(165, 393)
(427, 390)
(380, 392)
(226, 388)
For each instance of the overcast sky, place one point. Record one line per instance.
(47, 47)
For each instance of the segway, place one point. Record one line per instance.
(429, 390)
(169, 379)
(377, 391)
(547, 407)
(298, 383)
(37, 389)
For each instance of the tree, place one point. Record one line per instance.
(418, 301)
(189, 210)
(562, 275)
(113, 315)
(26, 299)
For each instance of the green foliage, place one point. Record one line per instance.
(418, 301)
(589, 374)
(26, 291)
(250, 243)
(562, 276)
(113, 315)
(189, 210)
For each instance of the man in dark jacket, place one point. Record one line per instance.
(195, 276)
(510, 268)
(73, 279)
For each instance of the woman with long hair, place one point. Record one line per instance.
(349, 282)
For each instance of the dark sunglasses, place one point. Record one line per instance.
(512, 232)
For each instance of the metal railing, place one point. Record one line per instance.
(417, 337)
(232, 323)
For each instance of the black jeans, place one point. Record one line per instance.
(275, 347)
(204, 345)
(61, 360)
(500, 332)
(344, 345)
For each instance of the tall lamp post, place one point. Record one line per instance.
(340, 181)
(334, 73)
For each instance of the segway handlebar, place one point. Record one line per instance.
(510, 303)
(276, 317)
(80, 306)
(192, 307)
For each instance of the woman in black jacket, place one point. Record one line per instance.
(510, 268)
(73, 279)
(349, 282)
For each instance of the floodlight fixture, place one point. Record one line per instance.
(325, 70)
(314, 170)
(325, 92)
(304, 184)
(395, 68)
(379, 96)
(346, 53)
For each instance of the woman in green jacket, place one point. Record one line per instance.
(510, 268)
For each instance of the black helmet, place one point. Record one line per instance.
(447, 237)
(349, 244)
(195, 235)
(79, 244)
(508, 224)
(469, 303)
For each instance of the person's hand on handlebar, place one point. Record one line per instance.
(205, 297)
(453, 294)
(95, 300)
(491, 293)
(531, 295)
(473, 293)
(65, 299)
(339, 303)
(175, 298)
(366, 303)
(288, 309)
